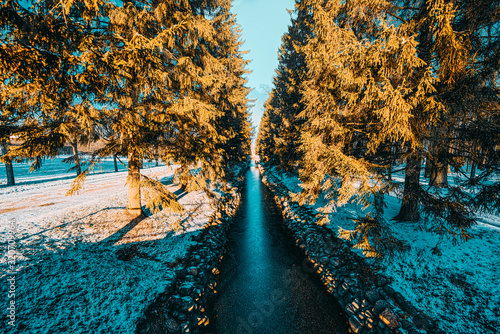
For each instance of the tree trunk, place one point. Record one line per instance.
(438, 162)
(439, 171)
(10, 173)
(134, 184)
(8, 166)
(436, 166)
(428, 168)
(115, 161)
(473, 170)
(183, 176)
(78, 167)
(439, 175)
(409, 207)
(476, 154)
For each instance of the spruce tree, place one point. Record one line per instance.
(467, 47)
(263, 143)
(459, 51)
(233, 128)
(396, 81)
(266, 137)
(361, 94)
(148, 71)
(285, 101)
(167, 74)
(366, 86)
(43, 54)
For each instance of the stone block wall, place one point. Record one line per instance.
(182, 308)
(371, 304)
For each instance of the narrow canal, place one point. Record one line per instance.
(266, 285)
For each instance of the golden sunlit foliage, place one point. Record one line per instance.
(386, 83)
(279, 135)
(151, 79)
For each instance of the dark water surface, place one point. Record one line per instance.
(266, 285)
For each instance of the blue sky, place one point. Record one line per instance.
(263, 23)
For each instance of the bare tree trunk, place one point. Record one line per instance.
(438, 167)
(157, 157)
(134, 184)
(409, 208)
(10, 173)
(184, 176)
(476, 154)
(78, 167)
(115, 161)
(8, 166)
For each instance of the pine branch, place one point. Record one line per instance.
(373, 237)
(79, 181)
(158, 197)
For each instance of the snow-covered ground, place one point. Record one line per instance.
(460, 288)
(82, 264)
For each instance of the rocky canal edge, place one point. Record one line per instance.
(182, 307)
(371, 304)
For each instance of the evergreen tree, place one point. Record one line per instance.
(355, 106)
(455, 42)
(366, 85)
(169, 73)
(285, 101)
(233, 126)
(148, 71)
(467, 47)
(361, 94)
(396, 81)
(264, 138)
(43, 50)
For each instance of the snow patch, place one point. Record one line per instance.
(459, 288)
(83, 265)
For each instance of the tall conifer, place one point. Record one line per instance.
(44, 48)
(285, 101)
(455, 43)
(152, 73)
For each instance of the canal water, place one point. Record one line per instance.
(266, 285)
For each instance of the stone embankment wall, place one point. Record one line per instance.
(371, 304)
(182, 308)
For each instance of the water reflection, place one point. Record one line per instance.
(253, 236)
